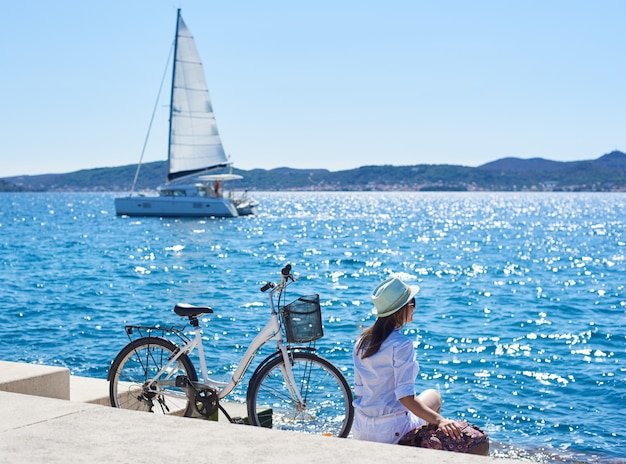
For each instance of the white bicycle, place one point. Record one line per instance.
(292, 389)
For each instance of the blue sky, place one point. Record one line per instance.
(327, 84)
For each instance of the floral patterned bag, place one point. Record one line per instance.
(472, 441)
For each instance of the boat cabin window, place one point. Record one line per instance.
(173, 193)
(203, 191)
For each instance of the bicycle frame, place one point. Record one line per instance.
(271, 331)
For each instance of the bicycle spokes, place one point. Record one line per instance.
(142, 378)
(326, 406)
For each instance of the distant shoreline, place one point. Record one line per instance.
(604, 174)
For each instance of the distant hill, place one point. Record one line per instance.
(519, 164)
(605, 174)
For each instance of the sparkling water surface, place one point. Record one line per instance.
(520, 322)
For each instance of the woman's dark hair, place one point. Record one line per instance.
(374, 336)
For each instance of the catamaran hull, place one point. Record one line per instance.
(176, 207)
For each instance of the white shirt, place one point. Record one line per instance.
(379, 382)
(383, 378)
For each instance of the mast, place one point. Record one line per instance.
(169, 137)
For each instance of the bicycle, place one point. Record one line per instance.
(303, 391)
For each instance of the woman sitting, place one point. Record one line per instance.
(385, 370)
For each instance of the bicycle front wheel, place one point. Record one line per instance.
(133, 381)
(327, 408)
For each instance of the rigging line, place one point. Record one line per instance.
(156, 104)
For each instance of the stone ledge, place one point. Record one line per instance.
(96, 391)
(36, 429)
(35, 379)
(88, 390)
(80, 430)
(56, 382)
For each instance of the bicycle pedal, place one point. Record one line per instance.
(238, 420)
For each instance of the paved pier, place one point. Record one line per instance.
(41, 428)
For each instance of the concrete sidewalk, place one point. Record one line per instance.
(49, 416)
(37, 430)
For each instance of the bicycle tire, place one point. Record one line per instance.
(140, 361)
(326, 392)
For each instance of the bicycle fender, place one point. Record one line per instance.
(134, 342)
(276, 354)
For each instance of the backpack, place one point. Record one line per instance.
(472, 441)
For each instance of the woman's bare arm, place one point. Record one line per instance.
(420, 409)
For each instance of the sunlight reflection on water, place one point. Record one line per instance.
(521, 316)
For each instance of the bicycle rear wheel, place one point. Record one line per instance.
(328, 406)
(132, 373)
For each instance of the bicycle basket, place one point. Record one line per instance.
(302, 319)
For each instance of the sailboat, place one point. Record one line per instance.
(196, 156)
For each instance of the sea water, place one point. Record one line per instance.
(520, 321)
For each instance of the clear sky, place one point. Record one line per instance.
(332, 84)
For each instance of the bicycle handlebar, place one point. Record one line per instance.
(286, 275)
(267, 286)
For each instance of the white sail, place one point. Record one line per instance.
(194, 149)
(195, 143)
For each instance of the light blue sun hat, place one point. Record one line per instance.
(391, 295)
